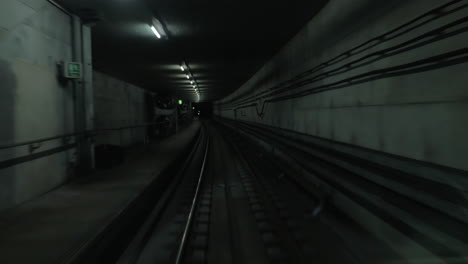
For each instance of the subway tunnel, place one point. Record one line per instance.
(170, 132)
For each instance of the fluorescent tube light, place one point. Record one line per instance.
(155, 31)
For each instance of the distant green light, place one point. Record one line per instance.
(180, 102)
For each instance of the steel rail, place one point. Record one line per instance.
(137, 245)
(183, 242)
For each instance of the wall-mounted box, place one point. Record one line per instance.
(72, 70)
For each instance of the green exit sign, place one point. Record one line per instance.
(73, 70)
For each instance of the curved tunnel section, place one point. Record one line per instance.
(346, 146)
(368, 103)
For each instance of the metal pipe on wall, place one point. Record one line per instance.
(82, 89)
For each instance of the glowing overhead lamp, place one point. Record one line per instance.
(183, 66)
(158, 29)
(156, 32)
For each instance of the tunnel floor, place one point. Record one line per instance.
(206, 195)
(65, 224)
(246, 213)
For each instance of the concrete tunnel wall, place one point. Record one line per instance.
(118, 104)
(34, 36)
(401, 91)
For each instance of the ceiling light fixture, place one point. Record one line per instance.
(185, 68)
(156, 32)
(158, 29)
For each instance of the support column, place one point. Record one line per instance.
(88, 90)
(81, 87)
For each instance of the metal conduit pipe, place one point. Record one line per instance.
(90, 133)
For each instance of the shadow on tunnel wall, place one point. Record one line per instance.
(7, 131)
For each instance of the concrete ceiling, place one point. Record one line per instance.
(224, 42)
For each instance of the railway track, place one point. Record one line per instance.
(228, 204)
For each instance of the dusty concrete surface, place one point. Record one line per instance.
(354, 75)
(118, 104)
(53, 227)
(34, 104)
(34, 36)
(366, 79)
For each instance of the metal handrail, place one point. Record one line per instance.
(84, 133)
(183, 242)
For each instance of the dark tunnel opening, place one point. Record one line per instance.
(204, 110)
